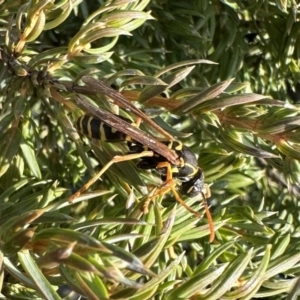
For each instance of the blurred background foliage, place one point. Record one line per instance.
(221, 76)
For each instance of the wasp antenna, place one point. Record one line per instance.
(209, 219)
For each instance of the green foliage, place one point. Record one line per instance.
(215, 74)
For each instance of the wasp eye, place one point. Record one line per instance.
(194, 186)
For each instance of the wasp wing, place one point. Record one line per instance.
(121, 101)
(125, 127)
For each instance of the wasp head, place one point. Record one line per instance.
(194, 186)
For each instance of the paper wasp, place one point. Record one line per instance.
(169, 157)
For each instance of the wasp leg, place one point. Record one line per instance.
(115, 159)
(167, 186)
(164, 189)
(170, 185)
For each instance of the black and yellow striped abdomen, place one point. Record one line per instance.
(96, 129)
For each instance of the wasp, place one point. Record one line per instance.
(171, 158)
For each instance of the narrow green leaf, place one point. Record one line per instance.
(95, 284)
(197, 283)
(201, 99)
(248, 290)
(144, 80)
(69, 236)
(92, 58)
(45, 289)
(64, 12)
(183, 64)
(154, 247)
(29, 155)
(13, 141)
(222, 102)
(228, 279)
(150, 287)
(170, 80)
(134, 262)
(281, 264)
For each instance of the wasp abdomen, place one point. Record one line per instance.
(96, 129)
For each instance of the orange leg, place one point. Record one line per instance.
(208, 216)
(169, 185)
(116, 159)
